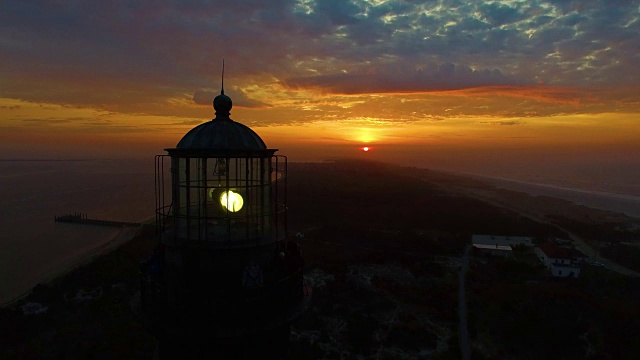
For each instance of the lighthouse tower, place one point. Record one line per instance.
(224, 282)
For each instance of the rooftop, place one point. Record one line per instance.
(554, 251)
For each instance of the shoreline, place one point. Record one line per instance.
(125, 235)
(621, 203)
(556, 187)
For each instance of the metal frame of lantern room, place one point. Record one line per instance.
(195, 215)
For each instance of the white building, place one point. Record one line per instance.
(496, 240)
(498, 245)
(557, 261)
(496, 250)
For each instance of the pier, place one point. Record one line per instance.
(82, 218)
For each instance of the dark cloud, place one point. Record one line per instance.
(499, 14)
(503, 123)
(239, 98)
(339, 12)
(421, 78)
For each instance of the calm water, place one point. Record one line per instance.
(32, 246)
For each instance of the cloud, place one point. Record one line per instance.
(45, 122)
(67, 120)
(239, 98)
(127, 56)
(503, 123)
(499, 14)
(180, 123)
(384, 79)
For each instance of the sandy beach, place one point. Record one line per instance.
(124, 235)
(620, 203)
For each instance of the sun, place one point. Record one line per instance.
(365, 149)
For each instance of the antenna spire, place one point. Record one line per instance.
(222, 103)
(222, 90)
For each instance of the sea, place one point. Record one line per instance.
(35, 249)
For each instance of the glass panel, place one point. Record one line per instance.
(218, 199)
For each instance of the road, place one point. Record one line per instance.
(586, 249)
(462, 307)
(579, 242)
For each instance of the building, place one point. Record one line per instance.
(498, 245)
(557, 260)
(225, 281)
(501, 240)
(493, 250)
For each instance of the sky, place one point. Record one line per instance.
(469, 85)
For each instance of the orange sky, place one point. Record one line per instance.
(446, 83)
(313, 126)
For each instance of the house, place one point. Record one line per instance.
(557, 260)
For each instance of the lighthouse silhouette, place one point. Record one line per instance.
(224, 282)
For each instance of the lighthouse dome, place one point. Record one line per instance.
(221, 133)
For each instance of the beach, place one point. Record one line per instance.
(18, 287)
(619, 203)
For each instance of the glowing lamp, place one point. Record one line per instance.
(231, 201)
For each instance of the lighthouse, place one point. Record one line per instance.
(225, 281)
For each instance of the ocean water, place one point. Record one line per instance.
(609, 183)
(611, 176)
(33, 248)
(616, 202)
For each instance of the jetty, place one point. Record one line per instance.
(82, 218)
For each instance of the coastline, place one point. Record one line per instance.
(620, 203)
(125, 235)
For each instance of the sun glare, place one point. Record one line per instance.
(365, 149)
(366, 135)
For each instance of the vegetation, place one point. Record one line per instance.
(547, 318)
(102, 327)
(382, 246)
